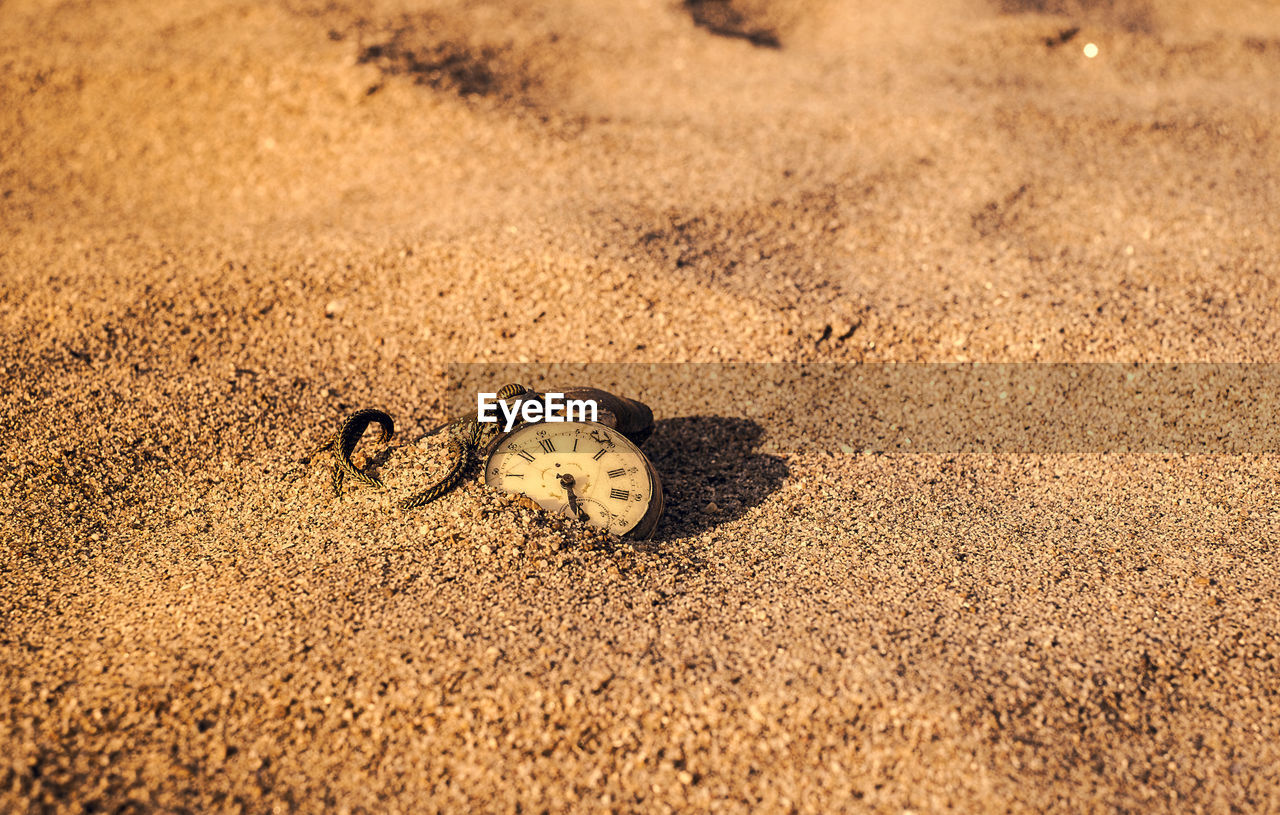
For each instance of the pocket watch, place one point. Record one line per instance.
(583, 469)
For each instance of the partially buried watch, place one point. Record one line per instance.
(589, 470)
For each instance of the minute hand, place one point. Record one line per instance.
(567, 482)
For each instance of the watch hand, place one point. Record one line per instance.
(566, 481)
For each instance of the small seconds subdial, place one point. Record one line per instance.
(580, 469)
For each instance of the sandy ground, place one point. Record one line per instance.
(224, 224)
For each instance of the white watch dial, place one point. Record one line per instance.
(581, 469)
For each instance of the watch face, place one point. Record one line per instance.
(580, 469)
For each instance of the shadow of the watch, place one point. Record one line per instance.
(710, 470)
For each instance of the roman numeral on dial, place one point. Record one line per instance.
(526, 455)
(621, 495)
(548, 446)
(599, 454)
(618, 473)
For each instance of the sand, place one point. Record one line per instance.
(224, 225)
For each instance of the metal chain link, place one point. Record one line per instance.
(466, 435)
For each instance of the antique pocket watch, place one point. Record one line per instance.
(590, 470)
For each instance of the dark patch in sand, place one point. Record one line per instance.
(996, 215)
(446, 65)
(723, 18)
(1064, 36)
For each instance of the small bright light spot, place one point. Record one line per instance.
(1090, 50)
